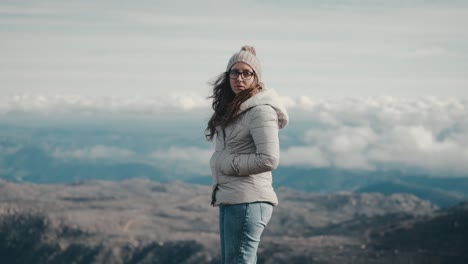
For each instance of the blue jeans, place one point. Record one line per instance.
(240, 228)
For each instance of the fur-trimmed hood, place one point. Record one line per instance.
(271, 98)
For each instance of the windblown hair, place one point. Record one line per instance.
(226, 104)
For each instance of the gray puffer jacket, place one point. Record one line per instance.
(248, 151)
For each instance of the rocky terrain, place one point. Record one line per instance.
(141, 221)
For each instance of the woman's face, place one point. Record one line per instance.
(239, 70)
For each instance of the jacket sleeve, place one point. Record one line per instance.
(263, 127)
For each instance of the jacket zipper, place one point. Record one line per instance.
(213, 194)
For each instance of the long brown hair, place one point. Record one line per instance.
(226, 103)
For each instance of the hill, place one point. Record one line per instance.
(141, 221)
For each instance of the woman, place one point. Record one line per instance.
(245, 124)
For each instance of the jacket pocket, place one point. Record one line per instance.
(225, 163)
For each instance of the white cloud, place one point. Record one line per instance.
(416, 147)
(183, 154)
(192, 159)
(428, 52)
(86, 105)
(429, 135)
(8, 150)
(304, 156)
(98, 152)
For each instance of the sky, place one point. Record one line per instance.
(172, 49)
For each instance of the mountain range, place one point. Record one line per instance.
(143, 221)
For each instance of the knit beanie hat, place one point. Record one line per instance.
(247, 55)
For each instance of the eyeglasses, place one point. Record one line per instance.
(246, 75)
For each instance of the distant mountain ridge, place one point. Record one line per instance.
(436, 196)
(32, 164)
(440, 191)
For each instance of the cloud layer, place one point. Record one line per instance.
(427, 135)
(95, 153)
(86, 105)
(189, 159)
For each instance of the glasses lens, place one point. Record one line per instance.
(246, 75)
(233, 74)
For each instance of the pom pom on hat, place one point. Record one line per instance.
(249, 49)
(247, 55)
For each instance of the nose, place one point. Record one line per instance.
(239, 77)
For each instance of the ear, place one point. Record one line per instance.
(255, 82)
(261, 86)
(258, 85)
